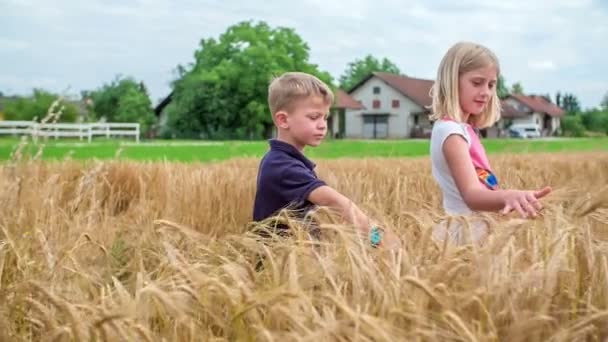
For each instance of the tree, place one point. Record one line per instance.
(123, 100)
(572, 125)
(570, 103)
(595, 120)
(357, 70)
(223, 93)
(501, 87)
(135, 107)
(37, 107)
(517, 88)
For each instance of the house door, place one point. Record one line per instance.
(375, 126)
(547, 125)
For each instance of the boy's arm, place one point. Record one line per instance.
(328, 197)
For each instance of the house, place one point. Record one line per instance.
(159, 110)
(397, 106)
(392, 106)
(343, 103)
(531, 109)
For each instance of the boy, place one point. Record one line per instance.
(300, 104)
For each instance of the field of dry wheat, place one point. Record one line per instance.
(132, 251)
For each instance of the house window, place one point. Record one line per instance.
(395, 103)
(376, 90)
(376, 104)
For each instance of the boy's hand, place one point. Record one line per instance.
(387, 239)
(390, 241)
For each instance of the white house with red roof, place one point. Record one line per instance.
(532, 110)
(393, 106)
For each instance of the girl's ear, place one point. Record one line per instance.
(280, 118)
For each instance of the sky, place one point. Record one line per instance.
(67, 46)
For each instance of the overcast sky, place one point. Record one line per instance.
(547, 45)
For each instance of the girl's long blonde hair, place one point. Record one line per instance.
(461, 58)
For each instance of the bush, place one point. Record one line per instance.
(124, 100)
(36, 106)
(596, 121)
(572, 125)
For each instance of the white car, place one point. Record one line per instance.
(524, 131)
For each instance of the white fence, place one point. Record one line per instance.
(74, 130)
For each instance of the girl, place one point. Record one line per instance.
(464, 98)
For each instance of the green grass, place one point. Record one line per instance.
(213, 151)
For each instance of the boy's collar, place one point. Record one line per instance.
(279, 145)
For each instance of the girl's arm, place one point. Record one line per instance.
(475, 195)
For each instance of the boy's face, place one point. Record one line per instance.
(476, 88)
(306, 123)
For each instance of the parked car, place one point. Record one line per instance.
(524, 131)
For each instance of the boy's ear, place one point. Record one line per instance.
(281, 119)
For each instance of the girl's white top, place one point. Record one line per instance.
(453, 203)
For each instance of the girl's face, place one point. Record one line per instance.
(476, 88)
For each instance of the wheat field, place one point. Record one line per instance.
(133, 251)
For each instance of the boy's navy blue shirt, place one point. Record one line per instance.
(285, 179)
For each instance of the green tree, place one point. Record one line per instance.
(517, 88)
(223, 93)
(572, 125)
(595, 120)
(135, 107)
(37, 107)
(570, 103)
(357, 70)
(501, 88)
(123, 100)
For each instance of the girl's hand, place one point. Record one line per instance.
(524, 202)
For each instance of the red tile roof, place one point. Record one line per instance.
(415, 88)
(539, 104)
(508, 111)
(343, 100)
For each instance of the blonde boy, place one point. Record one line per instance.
(300, 105)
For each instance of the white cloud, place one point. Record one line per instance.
(13, 44)
(544, 65)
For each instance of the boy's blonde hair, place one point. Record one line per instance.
(461, 58)
(290, 87)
